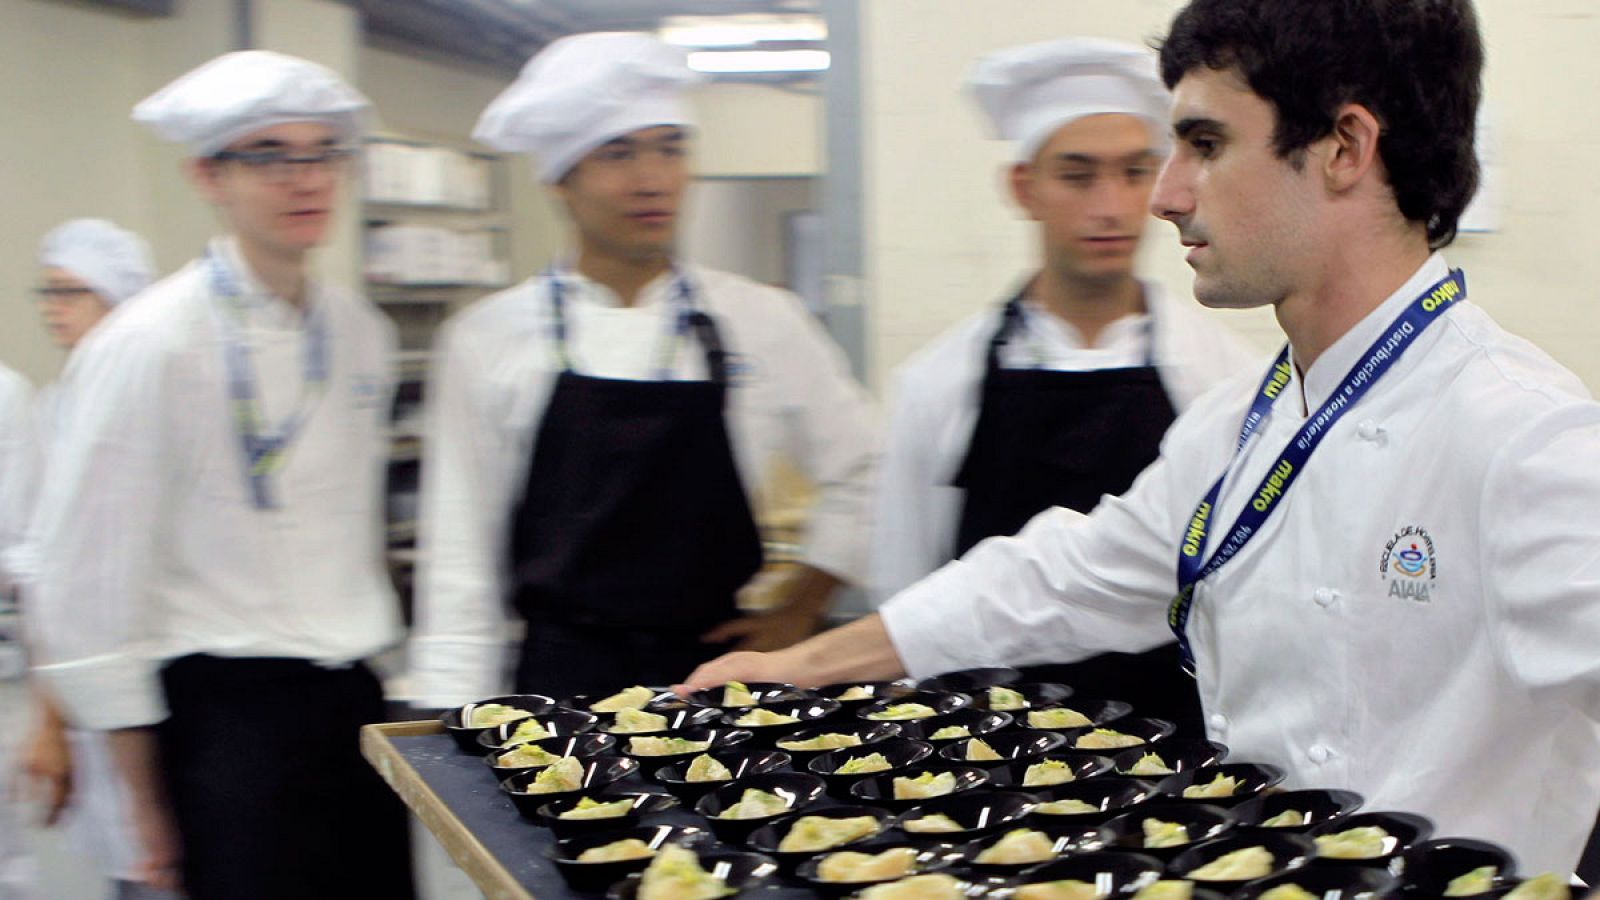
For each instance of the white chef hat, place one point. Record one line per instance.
(1030, 92)
(248, 90)
(584, 90)
(113, 261)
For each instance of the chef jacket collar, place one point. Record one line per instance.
(1329, 370)
(259, 303)
(657, 290)
(1115, 332)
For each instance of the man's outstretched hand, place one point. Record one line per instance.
(745, 666)
(858, 651)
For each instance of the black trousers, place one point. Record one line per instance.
(272, 797)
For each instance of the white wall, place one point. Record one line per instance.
(737, 224)
(1538, 276)
(757, 130)
(69, 75)
(757, 153)
(942, 240)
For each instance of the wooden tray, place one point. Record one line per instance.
(474, 859)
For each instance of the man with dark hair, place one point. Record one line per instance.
(1419, 74)
(1382, 555)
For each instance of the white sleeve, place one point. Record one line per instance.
(1065, 588)
(1540, 562)
(18, 473)
(97, 523)
(458, 642)
(913, 529)
(831, 433)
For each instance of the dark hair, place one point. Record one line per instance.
(1415, 64)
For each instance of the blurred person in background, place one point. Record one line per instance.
(211, 574)
(595, 433)
(16, 490)
(1061, 395)
(89, 268)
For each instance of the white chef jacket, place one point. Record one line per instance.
(791, 396)
(16, 483)
(150, 546)
(1466, 694)
(21, 559)
(936, 400)
(99, 817)
(17, 462)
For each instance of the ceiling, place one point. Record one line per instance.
(502, 34)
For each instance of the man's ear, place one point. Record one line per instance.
(1020, 179)
(560, 196)
(1353, 148)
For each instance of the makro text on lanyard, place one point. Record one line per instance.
(666, 352)
(1269, 494)
(264, 452)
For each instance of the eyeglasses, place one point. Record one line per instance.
(61, 294)
(282, 166)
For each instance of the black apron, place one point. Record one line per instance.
(1046, 438)
(634, 533)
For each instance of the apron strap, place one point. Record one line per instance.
(693, 320)
(1010, 321)
(1149, 328)
(705, 331)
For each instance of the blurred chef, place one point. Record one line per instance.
(89, 268)
(595, 434)
(16, 489)
(17, 480)
(211, 572)
(1062, 393)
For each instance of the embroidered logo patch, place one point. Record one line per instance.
(1409, 565)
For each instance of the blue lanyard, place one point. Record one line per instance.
(1269, 494)
(677, 325)
(264, 451)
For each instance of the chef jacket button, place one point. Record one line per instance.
(1325, 597)
(1218, 723)
(1370, 431)
(1318, 754)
